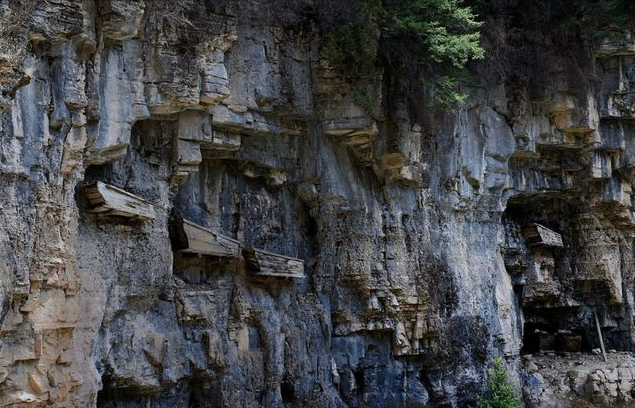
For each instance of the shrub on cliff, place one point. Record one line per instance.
(500, 391)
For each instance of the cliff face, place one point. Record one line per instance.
(428, 247)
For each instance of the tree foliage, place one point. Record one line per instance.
(500, 391)
(602, 18)
(431, 41)
(442, 29)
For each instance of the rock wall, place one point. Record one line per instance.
(416, 267)
(574, 380)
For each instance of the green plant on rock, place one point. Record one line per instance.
(441, 37)
(602, 19)
(366, 101)
(352, 48)
(430, 42)
(442, 30)
(500, 391)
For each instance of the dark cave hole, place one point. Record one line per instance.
(196, 396)
(193, 401)
(203, 391)
(555, 329)
(433, 393)
(287, 391)
(312, 227)
(103, 400)
(373, 351)
(111, 397)
(105, 397)
(539, 338)
(359, 381)
(567, 329)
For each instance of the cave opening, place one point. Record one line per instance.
(540, 253)
(104, 395)
(287, 391)
(561, 276)
(359, 381)
(110, 396)
(426, 382)
(563, 329)
(203, 392)
(573, 329)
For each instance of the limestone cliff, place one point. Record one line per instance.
(413, 229)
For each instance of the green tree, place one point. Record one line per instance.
(500, 391)
(601, 19)
(428, 41)
(443, 30)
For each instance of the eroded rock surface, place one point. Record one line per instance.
(416, 267)
(579, 379)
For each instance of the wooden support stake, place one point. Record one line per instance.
(597, 324)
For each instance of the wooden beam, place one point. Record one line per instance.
(597, 325)
(263, 263)
(112, 201)
(193, 238)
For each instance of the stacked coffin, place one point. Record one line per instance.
(189, 237)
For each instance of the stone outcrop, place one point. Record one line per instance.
(579, 380)
(408, 229)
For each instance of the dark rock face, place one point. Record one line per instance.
(417, 262)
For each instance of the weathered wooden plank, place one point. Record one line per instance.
(537, 234)
(193, 238)
(265, 263)
(112, 201)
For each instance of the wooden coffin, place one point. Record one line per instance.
(112, 201)
(193, 238)
(263, 263)
(539, 235)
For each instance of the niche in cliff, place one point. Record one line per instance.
(561, 281)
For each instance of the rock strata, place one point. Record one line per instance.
(372, 258)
